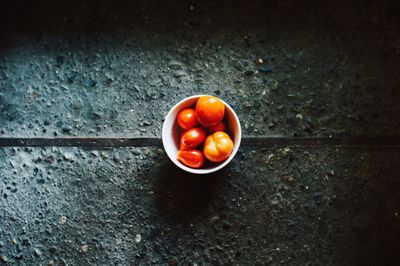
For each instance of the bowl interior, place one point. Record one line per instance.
(171, 132)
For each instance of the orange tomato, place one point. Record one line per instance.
(192, 138)
(191, 158)
(187, 119)
(218, 146)
(219, 127)
(209, 111)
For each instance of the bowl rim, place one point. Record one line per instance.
(193, 170)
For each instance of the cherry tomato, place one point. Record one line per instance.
(182, 133)
(187, 119)
(218, 146)
(192, 138)
(192, 158)
(209, 111)
(219, 127)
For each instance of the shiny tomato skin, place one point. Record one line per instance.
(191, 158)
(218, 146)
(209, 111)
(192, 138)
(219, 127)
(187, 119)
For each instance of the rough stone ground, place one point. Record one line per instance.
(108, 68)
(319, 206)
(104, 68)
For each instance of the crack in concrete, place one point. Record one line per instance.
(339, 141)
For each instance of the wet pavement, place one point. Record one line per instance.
(289, 70)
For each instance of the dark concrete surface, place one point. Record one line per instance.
(105, 68)
(114, 68)
(276, 206)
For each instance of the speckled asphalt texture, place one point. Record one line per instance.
(108, 68)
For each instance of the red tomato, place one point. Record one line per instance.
(218, 147)
(182, 133)
(191, 158)
(187, 119)
(219, 127)
(209, 111)
(192, 138)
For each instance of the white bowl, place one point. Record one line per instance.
(170, 135)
